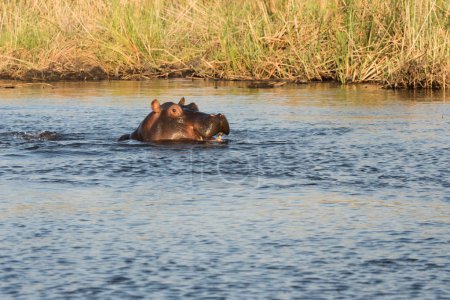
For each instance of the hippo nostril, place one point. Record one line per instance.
(216, 115)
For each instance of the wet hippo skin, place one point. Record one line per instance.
(179, 122)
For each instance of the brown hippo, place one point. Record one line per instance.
(179, 122)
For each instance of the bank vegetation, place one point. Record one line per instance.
(397, 43)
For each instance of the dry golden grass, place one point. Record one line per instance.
(398, 43)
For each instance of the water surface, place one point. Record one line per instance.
(320, 192)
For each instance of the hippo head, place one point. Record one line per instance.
(179, 122)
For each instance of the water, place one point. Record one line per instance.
(320, 192)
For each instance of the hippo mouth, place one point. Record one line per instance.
(216, 138)
(219, 137)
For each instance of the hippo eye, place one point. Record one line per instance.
(175, 111)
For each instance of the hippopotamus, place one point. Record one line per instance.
(179, 122)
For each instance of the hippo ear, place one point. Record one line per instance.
(181, 102)
(192, 106)
(155, 106)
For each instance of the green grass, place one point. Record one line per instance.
(397, 43)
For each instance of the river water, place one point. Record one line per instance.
(319, 192)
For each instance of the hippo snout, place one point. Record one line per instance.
(224, 126)
(212, 125)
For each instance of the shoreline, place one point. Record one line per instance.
(94, 74)
(252, 83)
(98, 73)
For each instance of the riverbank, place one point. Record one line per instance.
(396, 43)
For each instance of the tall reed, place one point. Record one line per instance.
(399, 43)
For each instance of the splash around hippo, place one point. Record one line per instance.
(179, 122)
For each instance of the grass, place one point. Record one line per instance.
(397, 43)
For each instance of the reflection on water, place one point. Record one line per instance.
(322, 191)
